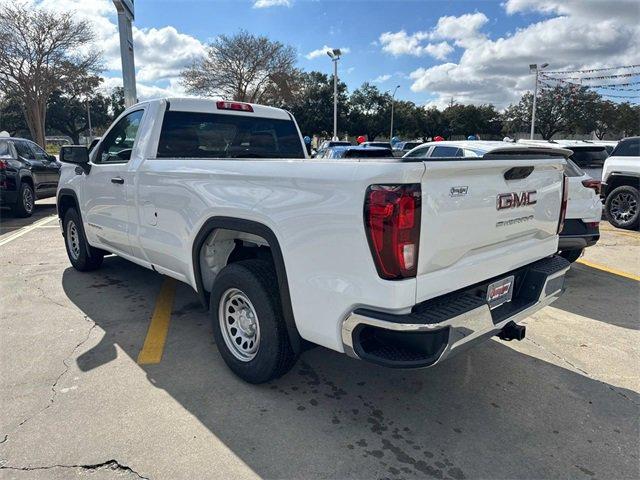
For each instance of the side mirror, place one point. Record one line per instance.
(77, 154)
(52, 158)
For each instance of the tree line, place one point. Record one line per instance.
(47, 85)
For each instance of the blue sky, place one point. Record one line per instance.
(308, 25)
(474, 51)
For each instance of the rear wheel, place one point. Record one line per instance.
(571, 255)
(25, 203)
(83, 257)
(248, 324)
(622, 207)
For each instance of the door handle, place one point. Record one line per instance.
(119, 180)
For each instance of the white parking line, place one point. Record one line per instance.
(26, 229)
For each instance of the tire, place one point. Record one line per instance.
(82, 256)
(571, 255)
(248, 324)
(25, 202)
(622, 207)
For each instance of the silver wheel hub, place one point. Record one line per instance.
(73, 239)
(239, 324)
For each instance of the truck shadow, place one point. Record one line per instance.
(489, 413)
(601, 296)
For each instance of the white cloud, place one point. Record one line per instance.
(381, 78)
(323, 51)
(497, 70)
(271, 3)
(400, 43)
(160, 53)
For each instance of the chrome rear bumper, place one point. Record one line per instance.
(427, 337)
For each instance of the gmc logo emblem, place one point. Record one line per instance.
(515, 200)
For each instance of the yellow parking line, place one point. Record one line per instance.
(610, 270)
(153, 347)
(618, 232)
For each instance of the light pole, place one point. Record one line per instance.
(125, 17)
(335, 56)
(392, 103)
(89, 120)
(535, 68)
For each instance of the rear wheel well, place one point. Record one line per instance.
(224, 240)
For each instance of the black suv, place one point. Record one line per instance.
(27, 174)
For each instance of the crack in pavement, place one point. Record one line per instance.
(107, 465)
(54, 393)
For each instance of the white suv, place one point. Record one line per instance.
(620, 178)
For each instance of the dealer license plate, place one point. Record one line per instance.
(500, 292)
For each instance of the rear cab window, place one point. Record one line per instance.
(214, 135)
(572, 170)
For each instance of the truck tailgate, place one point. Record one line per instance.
(482, 218)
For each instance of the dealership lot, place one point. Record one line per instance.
(79, 401)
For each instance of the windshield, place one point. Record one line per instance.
(213, 135)
(589, 157)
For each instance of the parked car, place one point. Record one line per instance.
(329, 144)
(620, 178)
(400, 148)
(355, 152)
(27, 174)
(584, 209)
(373, 259)
(588, 155)
(376, 144)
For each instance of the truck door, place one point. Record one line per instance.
(108, 188)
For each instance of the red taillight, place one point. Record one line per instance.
(3, 164)
(594, 184)
(392, 223)
(237, 106)
(563, 205)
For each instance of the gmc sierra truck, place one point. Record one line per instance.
(399, 261)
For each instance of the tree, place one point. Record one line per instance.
(68, 114)
(628, 122)
(432, 123)
(116, 102)
(241, 67)
(11, 117)
(370, 111)
(312, 104)
(605, 118)
(39, 52)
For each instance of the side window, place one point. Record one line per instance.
(471, 153)
(419, 153)
(39, 153)
(118, 144)
(627, 148)
(446, 152)
(23, 150)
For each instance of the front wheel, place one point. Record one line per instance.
(248, 325)
(622, 209)
(83, 257)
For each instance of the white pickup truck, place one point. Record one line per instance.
(400, 262)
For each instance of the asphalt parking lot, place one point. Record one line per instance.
(79, 401)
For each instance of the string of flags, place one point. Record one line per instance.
(591, 70)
